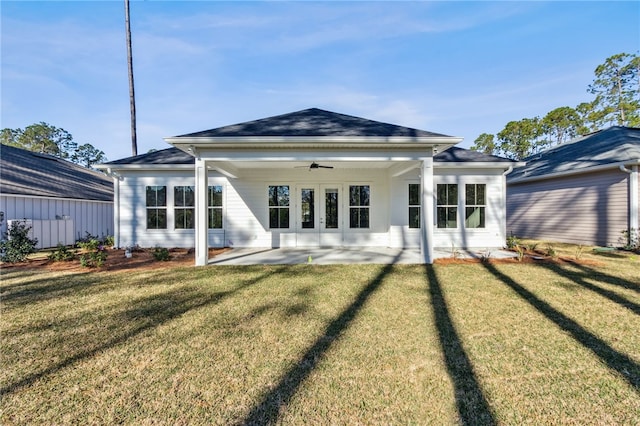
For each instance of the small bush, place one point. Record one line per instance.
(16, 244)
(631, 240)
(161, 254)
(551, 252)
(89, 245)
(62, 254)
(109, 241)
(94, 259)
(512, 242)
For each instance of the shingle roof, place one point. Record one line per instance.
(167, 156)
(461, 155)
(313, 122)
(24, 172)
(610, 146)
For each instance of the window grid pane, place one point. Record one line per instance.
(475, 200)
(447, 205)
(279, 206)
(414, 205)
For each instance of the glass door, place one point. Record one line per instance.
(307, 216)
(331, 215)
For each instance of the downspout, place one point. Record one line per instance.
(633, 196)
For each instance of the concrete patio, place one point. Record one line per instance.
(336, 256)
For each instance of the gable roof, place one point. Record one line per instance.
(609, 147)
(312, 122)
(25, 172)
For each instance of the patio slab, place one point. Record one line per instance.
(338, 256)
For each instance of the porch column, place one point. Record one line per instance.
(201, 223)
(426, 208)
(633, 200)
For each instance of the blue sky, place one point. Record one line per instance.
(459, 68)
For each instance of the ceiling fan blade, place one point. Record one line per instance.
(325, 167)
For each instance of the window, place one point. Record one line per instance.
(359, 199)
(475, 202)
(184, 202)
(214, 201)
(447, 205)
(307, 208)
(156, 207)
(414, 205)
(279, 206)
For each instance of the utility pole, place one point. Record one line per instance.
(132, 94)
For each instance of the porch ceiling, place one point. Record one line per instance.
(302, 165)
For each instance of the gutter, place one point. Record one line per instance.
(592, 169)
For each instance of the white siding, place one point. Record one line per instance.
(93, 217)
(581, 209)
(246, 212)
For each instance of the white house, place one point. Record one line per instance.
(311, 178)
(61, 201)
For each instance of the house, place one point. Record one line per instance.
(582, 192)
(61, 200)
(311, 178)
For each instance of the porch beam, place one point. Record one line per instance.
(225, 168)
(402, 168)
(426, 208)
(201, 225)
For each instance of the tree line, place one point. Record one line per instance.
(616, 87)
(47, 139)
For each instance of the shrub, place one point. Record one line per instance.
(62, 254)
(161, 254)
(631, 239)
(89, 245)
(109, 241)
(512, 241)
(16, 244)
(94, 259)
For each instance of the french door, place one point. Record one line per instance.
(319, 215)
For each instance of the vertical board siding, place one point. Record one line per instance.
(93, 217)
(585, 209)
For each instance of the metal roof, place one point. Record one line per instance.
(613, 146)
(30, 173)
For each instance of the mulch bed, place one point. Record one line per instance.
(140, 260)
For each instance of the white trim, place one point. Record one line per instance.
(475, 165)
(576, 171)
(5, 194)
(145, 166)
(185, 143)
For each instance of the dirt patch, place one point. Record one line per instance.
(140, 260)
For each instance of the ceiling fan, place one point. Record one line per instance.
(315, 165)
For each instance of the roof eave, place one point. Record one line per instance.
(302, 142)
(477, 164)
(564, 173)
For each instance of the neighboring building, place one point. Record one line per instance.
(311, 178)
(62, 200)
(583, 192)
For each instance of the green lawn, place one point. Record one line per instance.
(308, 344)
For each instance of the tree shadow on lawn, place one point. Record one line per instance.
(471, 403)
(137, 317)
(267, 411)
(606, 278)
(580, 279)
(616, 361)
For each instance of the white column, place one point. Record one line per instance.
(116, 211)
(201, 223)
(426, 208)
(633, 199)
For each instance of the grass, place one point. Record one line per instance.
(308, 344)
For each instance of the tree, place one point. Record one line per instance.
(41, 137)
(485, 143)
(518, 139)
(560, 125)
(132, 94)
(48, 139)
(617, 89)
(87, 155)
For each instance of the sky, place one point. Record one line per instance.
(453, 67)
